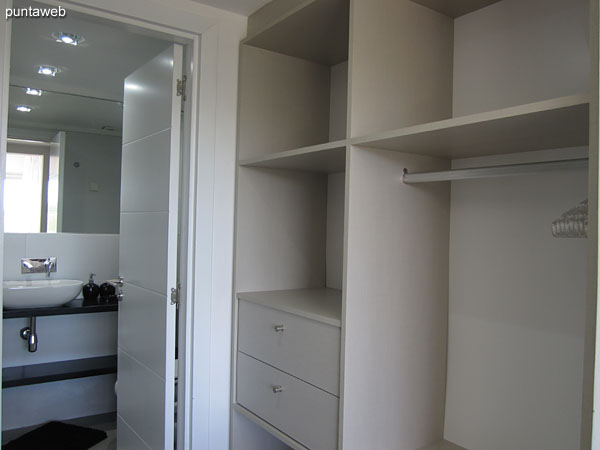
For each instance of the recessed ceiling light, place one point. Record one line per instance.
(67, 38)
(47, 70)
(24, 108)
(32, 91)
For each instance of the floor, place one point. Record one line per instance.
(110, 443)
(106, 422)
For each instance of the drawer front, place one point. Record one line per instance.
(307, 349)
(305, 413)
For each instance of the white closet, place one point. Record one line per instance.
(376, 314)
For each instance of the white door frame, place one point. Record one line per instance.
(211, 115)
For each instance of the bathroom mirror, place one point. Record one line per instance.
(68, 179)
(63, 169)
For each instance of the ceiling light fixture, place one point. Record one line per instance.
(24, 108)
(33, 91)
(67, 38)
(47, 70)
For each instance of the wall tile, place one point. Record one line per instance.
(14, 250)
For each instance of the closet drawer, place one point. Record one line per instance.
(305, 413)
(305, 348)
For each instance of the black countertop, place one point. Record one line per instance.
(74, 307)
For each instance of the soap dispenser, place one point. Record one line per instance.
(107, 293)
(90, 292)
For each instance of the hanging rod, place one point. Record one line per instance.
(493, 171)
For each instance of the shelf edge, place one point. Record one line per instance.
(487, 116)
(294, 152)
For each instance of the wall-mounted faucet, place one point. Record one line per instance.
(39, 265)
(50, 264)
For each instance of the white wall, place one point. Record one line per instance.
(86, 210)
(60, 337)
(517, 295)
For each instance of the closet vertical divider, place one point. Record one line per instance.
(591, 369)
(396, 309)
(396, 290)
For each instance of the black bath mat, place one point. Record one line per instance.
(57, 436)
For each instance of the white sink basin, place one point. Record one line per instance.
(39, 293)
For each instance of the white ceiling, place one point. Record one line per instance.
(243, 7)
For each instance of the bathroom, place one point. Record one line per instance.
(74, 118)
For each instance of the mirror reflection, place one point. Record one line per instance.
(63, 164)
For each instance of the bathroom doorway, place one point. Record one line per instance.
(83, 83)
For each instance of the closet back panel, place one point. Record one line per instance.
(283, 103)
(396, 306)
(517, 314)
(400, 65)
(338, 101)
(517, 298)
(281, 229)
(520, 51)
(336, 188)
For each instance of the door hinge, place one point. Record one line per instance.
(176, 295)
(181, 87)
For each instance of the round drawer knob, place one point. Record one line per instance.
(277, 389)
(279, 328)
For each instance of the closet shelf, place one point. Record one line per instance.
(442, 445)
(57, 371)
(74, 307)
(320, 304)
(555, 123)
(316, 30)
(455, 8)
(322, 158)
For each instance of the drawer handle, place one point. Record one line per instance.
(277, 389)
(279, 328)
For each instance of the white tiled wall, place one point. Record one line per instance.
(77, 254)
(61, 337)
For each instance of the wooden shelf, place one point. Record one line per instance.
(74, 307)
(443, 445)
(316, 30)
(57, 371)
(455, 8)
(556, 123)
(321, 304)
(323, 158)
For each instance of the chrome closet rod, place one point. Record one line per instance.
(493, 171)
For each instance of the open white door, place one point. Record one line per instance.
(148, 254)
